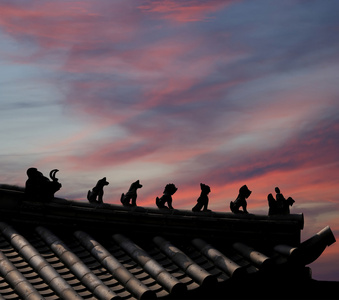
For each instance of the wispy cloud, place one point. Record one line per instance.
(178, 11)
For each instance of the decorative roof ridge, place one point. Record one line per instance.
(16, 198)
(141, 221)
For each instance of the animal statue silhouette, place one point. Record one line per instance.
(280, 205)
(240, 201)
(39, 188)
(97, 193)
(202, 202)
(131, 194)
(169, 190)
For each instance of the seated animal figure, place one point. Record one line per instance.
(280, 205)
(131, 194)
(244, 193)
(170, 189)
(202, 202)
(39, 188)
(97, 193)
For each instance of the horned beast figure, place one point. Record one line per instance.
(170, 189)
(97, 193)
(40, 188)
(131, 194)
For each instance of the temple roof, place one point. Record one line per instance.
(72, 250)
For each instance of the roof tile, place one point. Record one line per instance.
(70, 250)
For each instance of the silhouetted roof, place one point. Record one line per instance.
(73, 250)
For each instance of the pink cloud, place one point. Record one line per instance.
(62, 25)
(43, 22)
(183, 11)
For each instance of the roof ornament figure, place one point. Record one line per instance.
(244, 193)
(170, 189)
(202, 202)
(96, 195)
(280, 205)
(39, 188)
(131, 194)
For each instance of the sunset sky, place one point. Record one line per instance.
(220, 92)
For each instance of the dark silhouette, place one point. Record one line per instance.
(202, 201)
(97, 193)
(283, 204)
(131, 194)
(170, 189)
(244, 193)
(272, 204)
(40, 188)
(280, 205)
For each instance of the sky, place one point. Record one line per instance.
(223, 93)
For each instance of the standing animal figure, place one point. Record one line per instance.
(97, 193)
(170, 189)
(280, 205)
(40, 188)
(131, 194)
(244, 193)
(202, 201)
